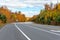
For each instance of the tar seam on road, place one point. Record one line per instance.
(22, 32)
(45, 30)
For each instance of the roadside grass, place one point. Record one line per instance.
(1, 25)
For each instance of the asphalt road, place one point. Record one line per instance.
(29, 31)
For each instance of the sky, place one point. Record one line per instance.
(27, 7)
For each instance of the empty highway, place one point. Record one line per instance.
(29, 31)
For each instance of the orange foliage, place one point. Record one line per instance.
(21, 17)
(11, 16)
(6, 12)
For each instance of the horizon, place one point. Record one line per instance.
(27, 7)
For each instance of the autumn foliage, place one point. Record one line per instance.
(12, 16)
(49, 15)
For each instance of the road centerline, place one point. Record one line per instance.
(22, 31)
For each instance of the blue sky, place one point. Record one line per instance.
(27, 7)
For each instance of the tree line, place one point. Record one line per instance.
(49, 15)
(7, 16)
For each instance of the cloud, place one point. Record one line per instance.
(25, 3)
(14, 4)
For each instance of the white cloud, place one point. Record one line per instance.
(15, 3)
(25, 3)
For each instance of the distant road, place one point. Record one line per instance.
(29, 31)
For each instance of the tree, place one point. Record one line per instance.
(3, 18)
(57, 19)
(49, 20)
(49, 16)
(14, 17)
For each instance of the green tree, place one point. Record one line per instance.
(49, 20)
(57, 19)
(3, 18)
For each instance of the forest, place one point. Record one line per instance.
(49, 15)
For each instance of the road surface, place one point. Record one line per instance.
(29, 31)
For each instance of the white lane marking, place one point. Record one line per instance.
(22, 32)
(55, 30)
(45, 30)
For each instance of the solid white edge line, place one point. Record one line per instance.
(22, 32)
